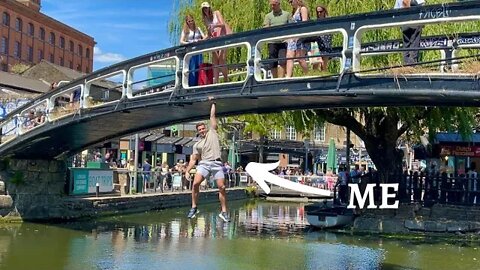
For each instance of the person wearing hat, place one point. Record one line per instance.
(216, 27)
(207, 150)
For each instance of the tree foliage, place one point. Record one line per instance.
(19, 68)
(379, 127)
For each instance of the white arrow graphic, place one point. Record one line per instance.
(260, 173)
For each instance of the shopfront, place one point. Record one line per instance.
(455, 154)
(458, 160)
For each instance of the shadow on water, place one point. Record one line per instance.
(262, 235)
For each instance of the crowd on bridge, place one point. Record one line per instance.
(281, 54)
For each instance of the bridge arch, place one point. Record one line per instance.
(110, 105)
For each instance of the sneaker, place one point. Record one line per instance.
(224, 216)
(193, 212)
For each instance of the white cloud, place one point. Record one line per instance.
(106, 57)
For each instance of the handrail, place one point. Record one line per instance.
(347, 22)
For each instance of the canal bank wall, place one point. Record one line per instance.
(416, 219)
(35, 190)
(91, 207)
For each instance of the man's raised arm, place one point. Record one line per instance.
(213, 118)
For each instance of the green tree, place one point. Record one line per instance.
(380, 128)
(19, 68)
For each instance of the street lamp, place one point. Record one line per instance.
(306, 142)
(234, 148)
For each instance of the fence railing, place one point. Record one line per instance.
(157, 181)
(431, 188)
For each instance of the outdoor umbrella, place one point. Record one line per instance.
(331, 156)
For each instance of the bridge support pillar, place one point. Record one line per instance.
(32, 189)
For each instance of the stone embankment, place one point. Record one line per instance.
(414, 219)
(35, 190)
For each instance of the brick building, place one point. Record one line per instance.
(27, 36)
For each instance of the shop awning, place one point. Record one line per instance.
(154, 137)
(141, 136)
(166, 144)
(187, 145)
(446, 137)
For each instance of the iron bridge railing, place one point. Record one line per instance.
(167, 73)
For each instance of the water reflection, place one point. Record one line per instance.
(261, 236)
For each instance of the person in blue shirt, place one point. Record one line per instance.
(146, 168)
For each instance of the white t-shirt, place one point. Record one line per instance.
(194, 36)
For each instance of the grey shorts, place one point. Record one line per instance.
(215, 168)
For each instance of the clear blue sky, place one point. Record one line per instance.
(123, 29)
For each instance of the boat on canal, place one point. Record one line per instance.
(329, 216)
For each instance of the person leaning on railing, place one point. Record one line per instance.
(411, 34)
(39, 118)
(296, 48)
(191, 33)
(29, 120)
(277, 49)
(217, 27)
(321, 45)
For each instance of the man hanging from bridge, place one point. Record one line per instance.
(207, 150)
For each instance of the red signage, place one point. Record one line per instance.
(462, 151)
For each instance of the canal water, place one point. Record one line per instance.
(261, 235)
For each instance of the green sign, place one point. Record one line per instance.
(80, 181)
(85, 180)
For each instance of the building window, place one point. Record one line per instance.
(42, 34)
(320, 133)
(291, 133)
(62, 42)
(6, 19)
(30, 53)
(61, 61)
(275, 134)
(70, 64)
(52, 38)
(4, 46)
(80, 50)
(17, 50)
(87, 54)
(31, 30)
(72, 47)
(52, 58)
(18, 25)
(40, 55)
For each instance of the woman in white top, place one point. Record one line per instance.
(217, 27)
(191, 33)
